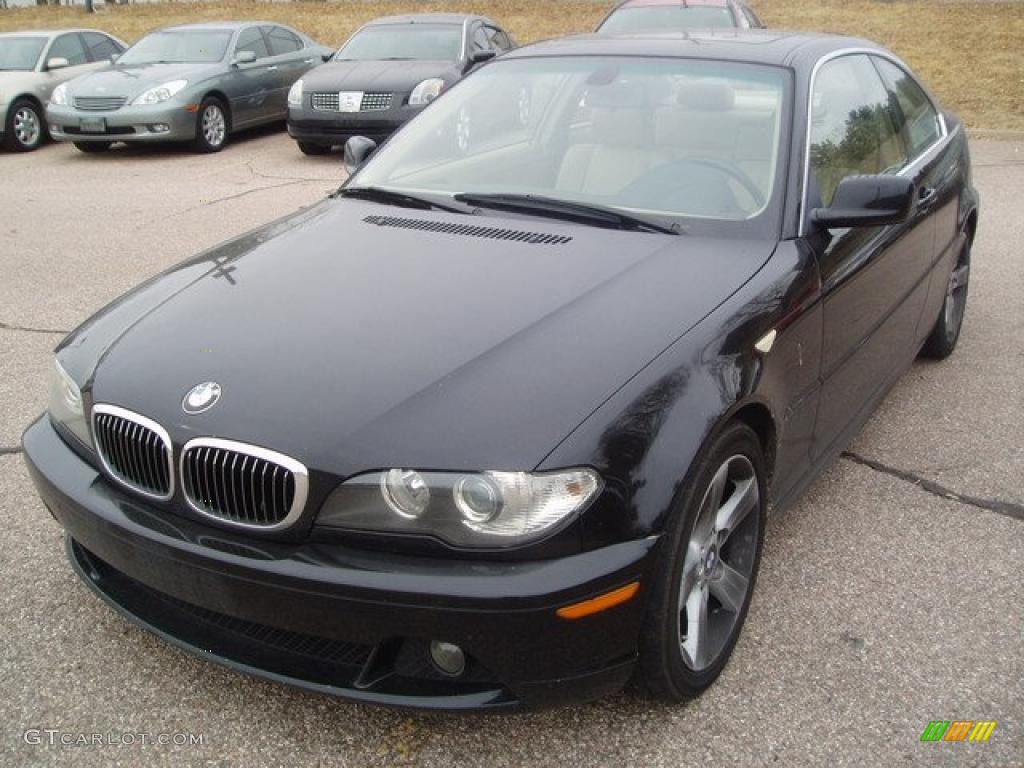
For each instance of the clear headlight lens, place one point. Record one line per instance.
(59, 96)
(66, 404)
(295, 94)
(479, 509)
(160, 93)
(426, 92)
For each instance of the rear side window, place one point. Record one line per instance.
(69, 47)
(100, 47)
(283, 41)
(853, 130)
(251, 39)
(916, 115)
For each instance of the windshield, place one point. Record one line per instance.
(432, 42)
(676, 138)
(178, 47)
(20, 53)
(667, 19)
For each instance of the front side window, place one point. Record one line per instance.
(251, 39)
(853, 130)
(667, 18)
(677, 138)
(178, 46)
(69, 47)
(20, 54)
(283, 41)
(917, 116)
(393, 42)
(499, 40)
(479, 40)
(100, 46)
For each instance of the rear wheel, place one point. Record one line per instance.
(313, 149)
(26, 126)
(92, 146)
(944, 336)
(705, 579)
(211, 126)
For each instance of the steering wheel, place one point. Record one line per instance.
(734, 172)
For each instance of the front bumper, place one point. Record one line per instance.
(344, 621)
(155, 122)
(335, 128)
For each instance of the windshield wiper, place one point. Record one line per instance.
(583, 213)
(392, 197)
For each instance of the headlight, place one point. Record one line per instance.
(160, 93)
(485, 509)
(60, 95)
(66, 404)
(426, 92)
(295, 94)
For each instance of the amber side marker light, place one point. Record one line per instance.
(601, 603)
(191, 107)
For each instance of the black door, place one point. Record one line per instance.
(874, 279)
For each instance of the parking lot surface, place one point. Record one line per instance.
(889, 596)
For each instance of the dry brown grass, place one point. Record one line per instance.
(970, 53)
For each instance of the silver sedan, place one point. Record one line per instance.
(32, 64)
(196, 83)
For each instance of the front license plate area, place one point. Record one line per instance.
(350, 101)
(92, 125)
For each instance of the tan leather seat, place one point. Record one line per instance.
(618, 151)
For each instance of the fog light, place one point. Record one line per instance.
(448, 658)
(160, 128)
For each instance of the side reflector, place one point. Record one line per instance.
(602, 603)
(191, 107)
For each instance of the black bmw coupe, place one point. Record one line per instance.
(498, 424)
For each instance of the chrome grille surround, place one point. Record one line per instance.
(135, 451)
(228, 481)
(99, 103)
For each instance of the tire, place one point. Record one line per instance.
(91, 147)
(946, 333)
(212, 126)
(25, 126)
(674, 663)
(313, 149)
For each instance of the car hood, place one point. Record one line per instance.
(374, 75)
(130, 81)
(353, 342)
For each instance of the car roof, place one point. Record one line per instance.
(428, 18)
(758, 46)
(49, 32)
(648, 3)
(224, 25)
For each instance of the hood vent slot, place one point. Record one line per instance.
(469, 230)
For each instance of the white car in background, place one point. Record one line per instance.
(32, 64)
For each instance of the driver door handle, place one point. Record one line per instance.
(926, 198)
(272, 68)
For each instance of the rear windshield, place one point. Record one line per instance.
(20, 54)
(178, 46)
(394, 42)
(667, 18)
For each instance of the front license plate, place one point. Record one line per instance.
(350, 101)
(92, 125)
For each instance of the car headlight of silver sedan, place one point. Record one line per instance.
(464, 509)
(66, 407)
(160, 93)
(59, 96)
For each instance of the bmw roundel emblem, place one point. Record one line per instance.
(202, 397)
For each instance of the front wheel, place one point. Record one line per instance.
(211, 126)
(946, 333)
(26, 127)
(705, 578)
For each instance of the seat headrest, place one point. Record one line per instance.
(617, 95)
(709, 97)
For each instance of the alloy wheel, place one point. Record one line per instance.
(718, 566)
(27, 126)
(214, 125)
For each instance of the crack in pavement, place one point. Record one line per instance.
(1000, 507)
(27, 329)
(4, 451)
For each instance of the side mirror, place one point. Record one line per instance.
(357, 150)
(327, 56)
(478, 57)
(868, 201)
(245, 57)
(114, 57)
(56, 62)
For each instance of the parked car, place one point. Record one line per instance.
(495, 427)
(32, 64)
(198, 83)
(631, 16)
(385, 74)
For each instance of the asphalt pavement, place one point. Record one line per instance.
(889, 596)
